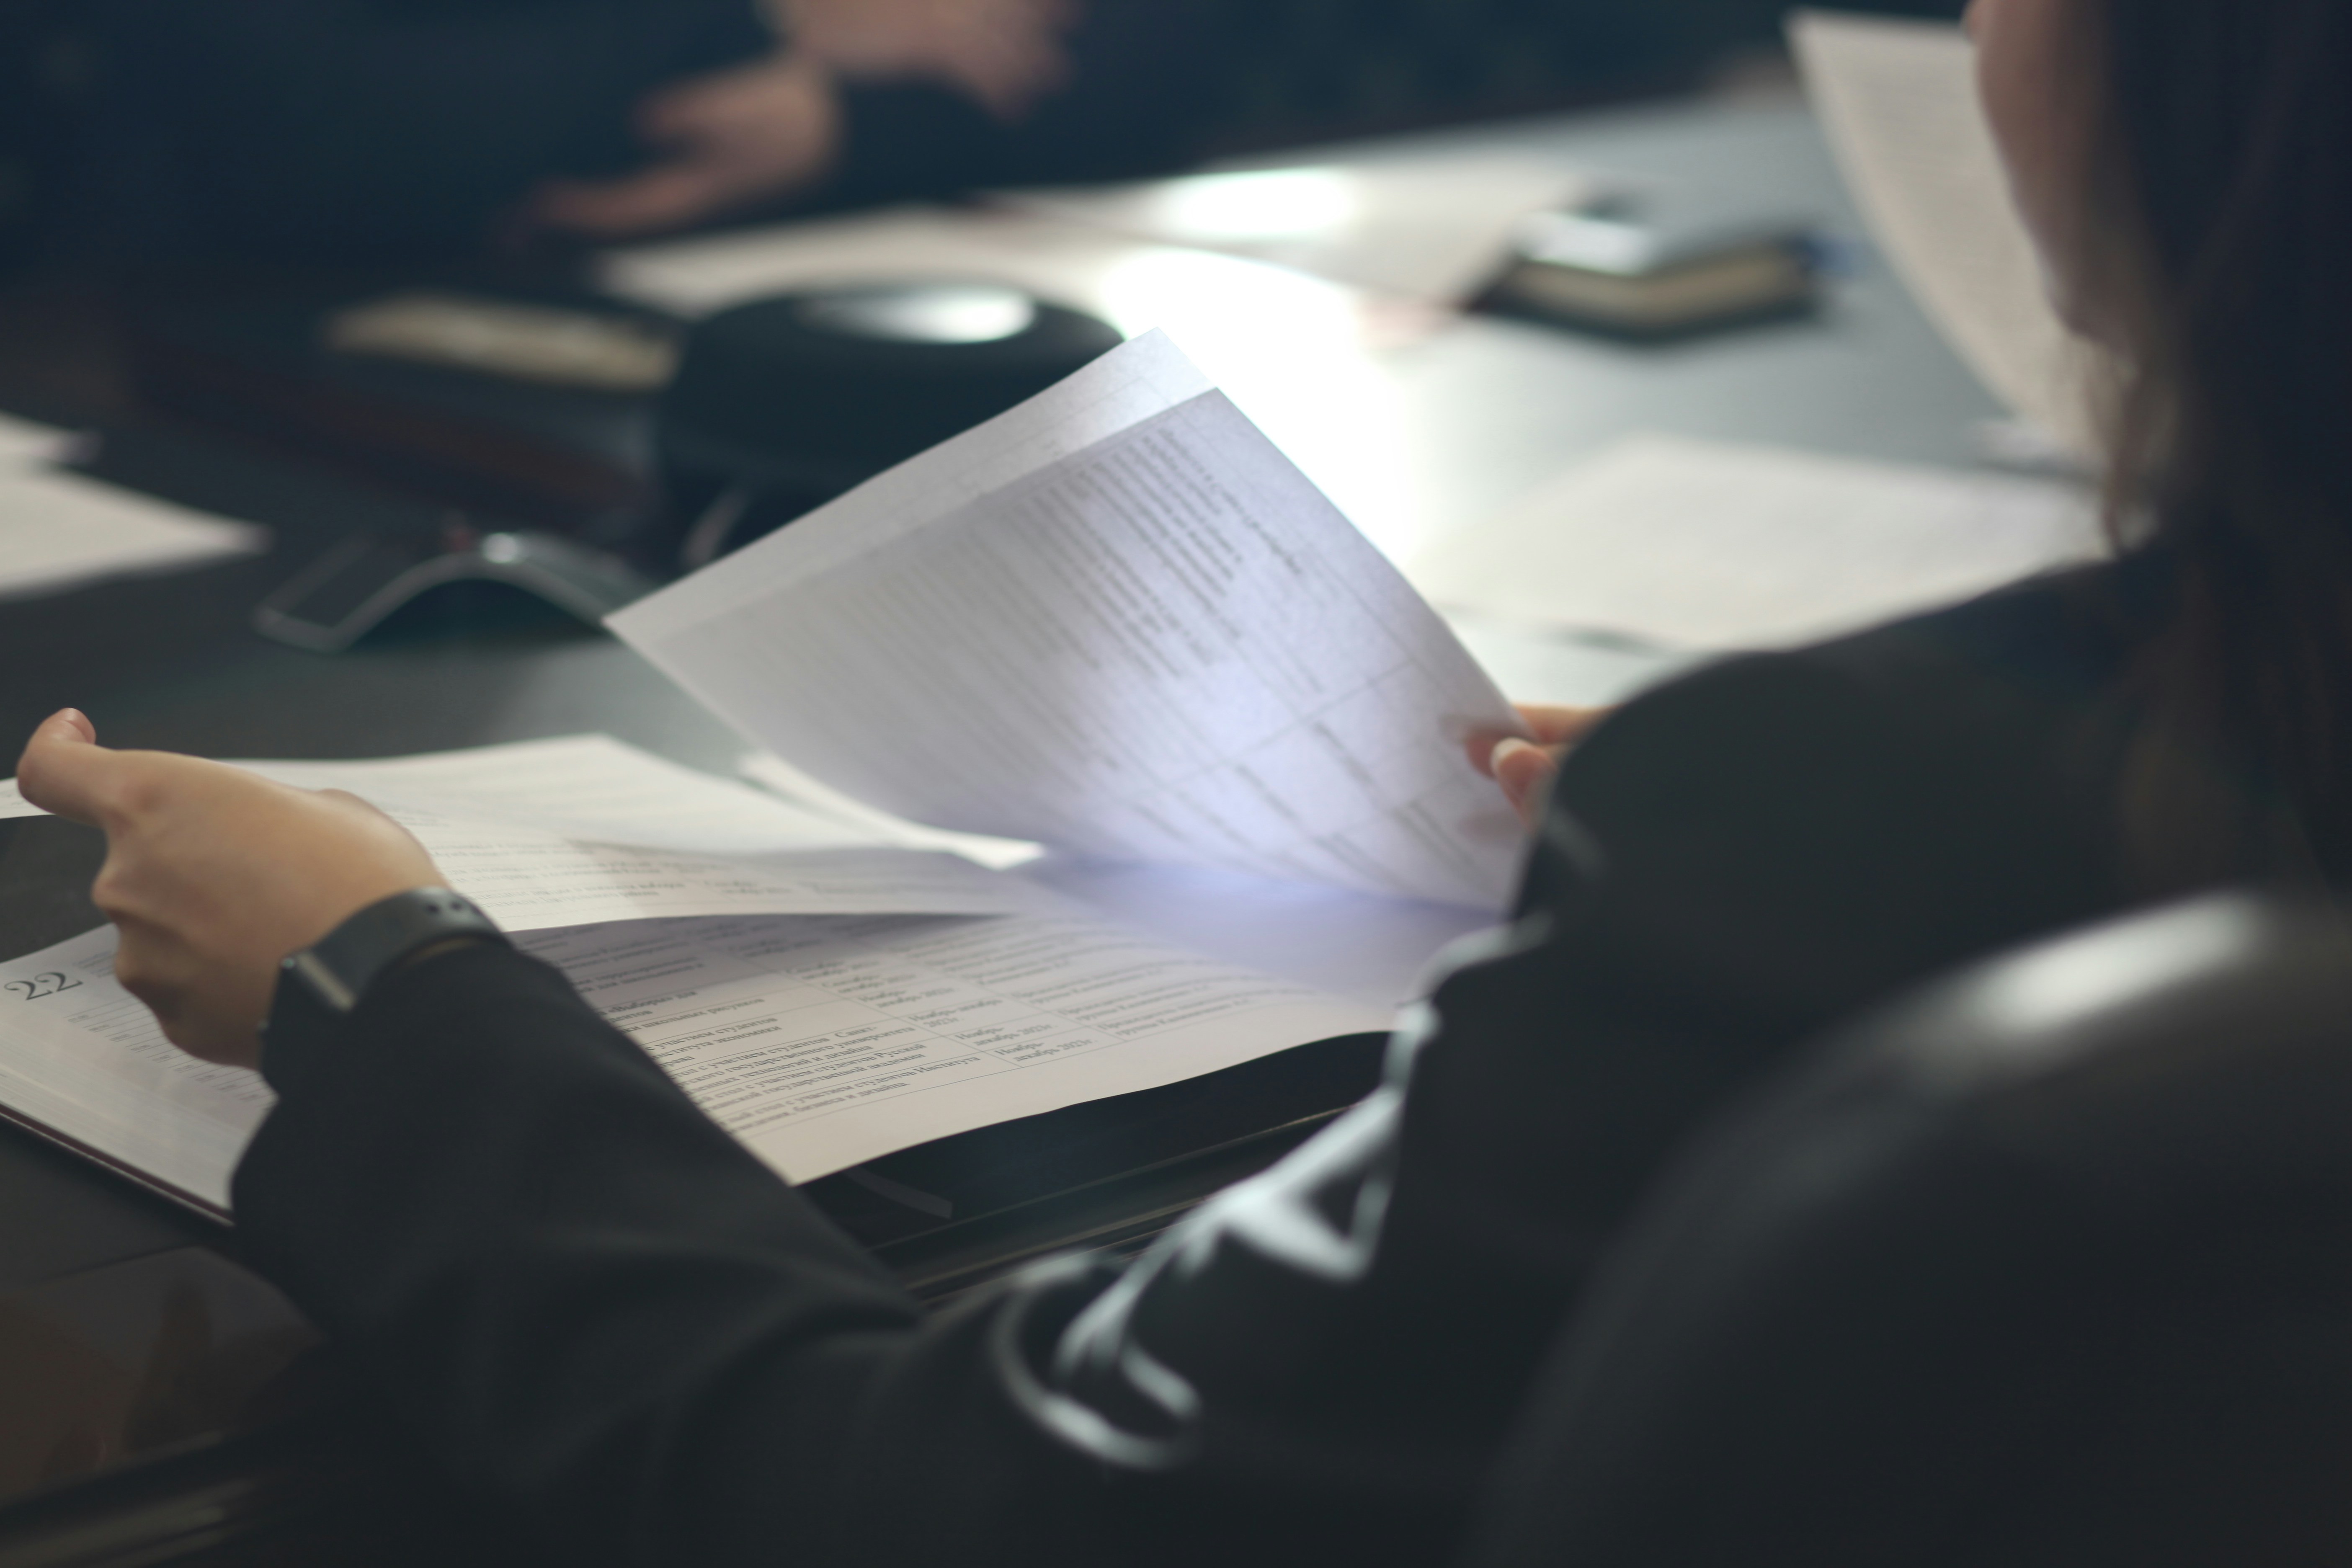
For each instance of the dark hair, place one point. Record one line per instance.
(2226, 188)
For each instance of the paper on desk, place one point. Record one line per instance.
(1702, 546)
(1432, 229)
(60, 531)
(589, 787)
(563, 833)
(820, 1043)
(1118, 621)
(823, 1043)
(84, 1061)
(1137, 286)
(1899, 101)
(536, 881)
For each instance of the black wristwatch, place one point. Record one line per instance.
(337, 971)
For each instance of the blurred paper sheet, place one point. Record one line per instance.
(1694, 544)
(1898, 99)
(1135, 286)
(22, 441)
(1436, 230)
(60, 531)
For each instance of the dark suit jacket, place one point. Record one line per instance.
(594, 1304)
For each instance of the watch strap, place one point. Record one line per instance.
(338, 969)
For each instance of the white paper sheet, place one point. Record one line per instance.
(773, 773)
(1707, 545)
(820, 1043)
(1117, 620)
(823, 1043)
(80, 1057)
(1358, 945)
(589, 787)
(536, 881)
(1377, 951)
(1435, 229)
(1899, 101)
(561, 832)
(59, 530)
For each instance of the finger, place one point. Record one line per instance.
(1561, 726)
(684, 114)
(65, 770)
(668, 197)
(1526, 772)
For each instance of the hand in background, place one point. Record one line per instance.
(214, 875)
(767, 131)
(1004, 55)
(753, 134)
(1526, 768)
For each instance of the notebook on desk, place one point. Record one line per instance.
(1117, 622)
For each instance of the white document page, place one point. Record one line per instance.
(820, 1043)
(563, 833)
(1707, 545)
(585, 786)
(1360, 945)
(580, 787)
(1436, 230)
(823, 1043)
(1157, 643)
(60, 531)
(534, 881)
(1898, 99)
(84, 1060)
(1372, 949)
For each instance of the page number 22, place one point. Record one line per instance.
(41, 987)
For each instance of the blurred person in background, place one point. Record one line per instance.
(372, 128)
(376, 128)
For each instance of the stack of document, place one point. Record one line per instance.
(1117, 622)
(61, 531)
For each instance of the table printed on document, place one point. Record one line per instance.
(773, 1023)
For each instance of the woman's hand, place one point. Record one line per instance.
(214, 875)
(1003, 55)
(1525, 768)
(756, 133)
(764, 131)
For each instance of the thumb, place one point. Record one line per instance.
(65, 770)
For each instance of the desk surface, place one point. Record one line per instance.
(1489, 409)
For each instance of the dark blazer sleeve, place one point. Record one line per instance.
(595, 1305)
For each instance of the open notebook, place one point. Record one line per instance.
(1116, 622)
